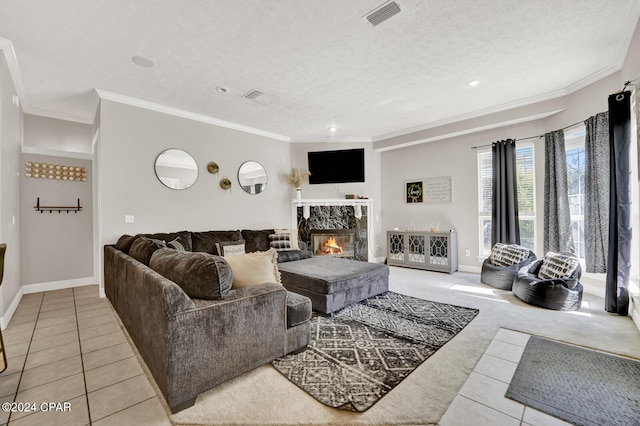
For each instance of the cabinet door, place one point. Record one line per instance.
(396, 247)
(439, 252)
(416, 253)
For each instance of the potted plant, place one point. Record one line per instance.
(296, 179)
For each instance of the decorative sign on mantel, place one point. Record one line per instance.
(431, 190)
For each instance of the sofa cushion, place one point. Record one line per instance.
(124, 243)
(256, 240)
(230, 248)
(183, 237)
(298, 309)
(508, 254)
(143, 248)
(255, 268)
(206, 241)
(555, 265)
(200, 275)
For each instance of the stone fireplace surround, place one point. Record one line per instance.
(324, 214)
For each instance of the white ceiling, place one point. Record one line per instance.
(319, 63)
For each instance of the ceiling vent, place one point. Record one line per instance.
(382, 13)
(252, 94)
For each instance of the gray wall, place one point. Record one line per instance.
(50, 133)
(56, 246)
(10, 141)
(130, 140)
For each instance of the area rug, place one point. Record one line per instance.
(577, 385)
(361, 353)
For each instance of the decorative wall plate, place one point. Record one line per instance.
(225, 183)
(213, 168)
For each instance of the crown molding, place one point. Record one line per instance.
(331, 139)
(26, 149)
(12, 62)
(469, 131)
(590, 79)
(127, 100)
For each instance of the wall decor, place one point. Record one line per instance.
(55, 171)
(212, 167)
(225, 183)
(437, 190)
(58, 209)
(176, 169)
(252, 177)
(414, 192)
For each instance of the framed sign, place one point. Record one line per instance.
(413, 192)
(437, 190)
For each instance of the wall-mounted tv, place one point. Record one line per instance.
(341, 166)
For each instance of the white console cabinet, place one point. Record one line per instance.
(434, 251)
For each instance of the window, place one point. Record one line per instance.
(525, 177)
(574, 147)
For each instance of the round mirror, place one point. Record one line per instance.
(176, 169)
(252, 177)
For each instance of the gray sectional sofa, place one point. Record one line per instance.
(191, 344)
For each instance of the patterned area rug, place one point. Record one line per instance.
(580, 386)
(357, 356)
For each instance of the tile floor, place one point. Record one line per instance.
(67, 346)
(481, 398)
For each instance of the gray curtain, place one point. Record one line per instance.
(504, 212)
(596, 215)
(619, 258)
(557, 215)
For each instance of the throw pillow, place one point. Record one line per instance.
(124, 243)
(200, 275)
(230, 248)
(293, 237)
(555, 265)
(255, 268)
(143, 247)
(508, 254)
(256, 240)
(280, 242)
(176, 245)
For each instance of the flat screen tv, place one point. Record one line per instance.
(341, 166)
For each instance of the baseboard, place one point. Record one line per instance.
(36, 288)
(634, 310)
(4, 321)
(470, 268)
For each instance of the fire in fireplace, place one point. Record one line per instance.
(333, 242)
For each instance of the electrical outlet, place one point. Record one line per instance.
(467, 252)
(129, 218)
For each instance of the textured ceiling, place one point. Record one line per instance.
(319, 63)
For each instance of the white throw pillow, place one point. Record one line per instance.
(255, 268)
(230, 248)
(555, 265)
(508, 254)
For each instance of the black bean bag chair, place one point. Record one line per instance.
(561, 294)
(502, 277)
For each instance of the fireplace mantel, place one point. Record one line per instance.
(358, 211)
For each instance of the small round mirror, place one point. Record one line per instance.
(176, 169)
(252, 177)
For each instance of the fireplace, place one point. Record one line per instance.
(333, 242)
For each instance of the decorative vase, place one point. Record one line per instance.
(298, 193)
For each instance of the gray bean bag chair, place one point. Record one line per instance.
(561, 294)
(497, 274)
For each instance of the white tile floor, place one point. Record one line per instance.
(481, 398)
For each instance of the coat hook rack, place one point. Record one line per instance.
(58, 209)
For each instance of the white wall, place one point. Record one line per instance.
(49, 133)
(10, 140)
(130, 140)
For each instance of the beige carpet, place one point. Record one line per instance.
(265, 397)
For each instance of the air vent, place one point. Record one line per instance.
(252, 94)
(382, 13)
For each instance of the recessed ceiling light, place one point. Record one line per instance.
(142, 61)
(332, 128)
(473, 83)
(222, 89)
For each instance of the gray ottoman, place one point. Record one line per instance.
(333, 283)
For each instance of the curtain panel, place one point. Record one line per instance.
(619, 253)
(504, 213)
(558, 235)
(597, 175)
